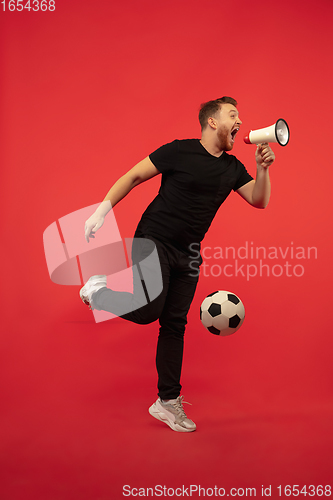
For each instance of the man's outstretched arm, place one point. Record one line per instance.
(141, 172)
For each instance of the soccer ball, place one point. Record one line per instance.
(222, 313)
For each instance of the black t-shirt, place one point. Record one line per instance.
(194, 185)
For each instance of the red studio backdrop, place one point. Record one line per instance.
(88, 89)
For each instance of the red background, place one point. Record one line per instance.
(86, 92)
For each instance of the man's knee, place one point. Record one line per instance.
(144, 315)
(173, 326)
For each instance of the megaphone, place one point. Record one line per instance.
(279, 132)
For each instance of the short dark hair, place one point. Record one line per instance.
(209, 108)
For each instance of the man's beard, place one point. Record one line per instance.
(225, 144)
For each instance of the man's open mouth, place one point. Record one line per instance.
(233, 134)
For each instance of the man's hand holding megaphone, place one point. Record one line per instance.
(264, 155)
(278, 132)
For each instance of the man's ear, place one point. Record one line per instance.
(212, 123)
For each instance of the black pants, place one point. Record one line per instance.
(179, 276)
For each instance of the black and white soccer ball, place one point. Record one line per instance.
(222, 313)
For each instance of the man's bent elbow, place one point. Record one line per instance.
(260, 205)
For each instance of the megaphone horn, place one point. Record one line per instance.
(279, 132)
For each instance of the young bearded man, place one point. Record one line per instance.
(197, 176)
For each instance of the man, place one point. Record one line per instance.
(197, 176)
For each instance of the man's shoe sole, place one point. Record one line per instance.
(83, 291)
(84, 297)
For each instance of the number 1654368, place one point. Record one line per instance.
(28, 5)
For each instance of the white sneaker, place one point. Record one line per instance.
(172, 413)
(93, 284)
